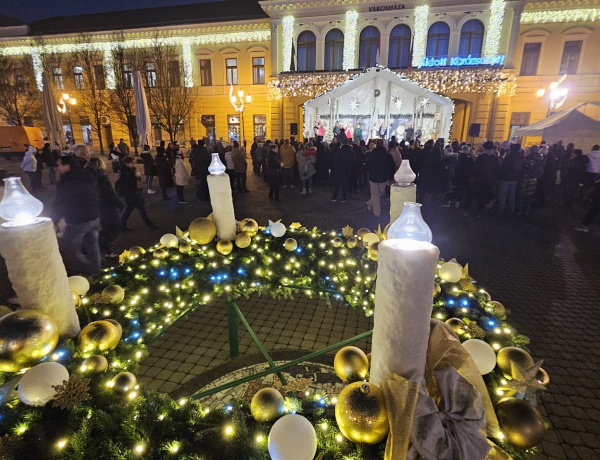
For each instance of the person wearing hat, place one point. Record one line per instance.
(486, 172)
(510, 171)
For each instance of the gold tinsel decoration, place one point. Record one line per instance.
(124, 257)
(100, 298)
(71, 393)
(347, 231)
(9, 446)
(467, 285)
(474, 330)
(295, 386)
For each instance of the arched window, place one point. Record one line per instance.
(369, 44)
(471, 38)
(399, 47)
(307, 51)
(437, 40)
(334, 49)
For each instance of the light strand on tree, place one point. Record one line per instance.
(494, 32)
(350, 31)
(420, 38)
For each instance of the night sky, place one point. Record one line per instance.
(31, 10)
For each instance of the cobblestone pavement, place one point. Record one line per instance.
(545, 273)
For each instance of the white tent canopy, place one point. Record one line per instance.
(381, 103)
(567, 125)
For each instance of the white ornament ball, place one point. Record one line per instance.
(292, 437)
(35, 387)
(451, 272)
(278, 229)
(79, 284)
(483, 355)
(169, 240)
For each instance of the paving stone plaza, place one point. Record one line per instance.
(544, 272)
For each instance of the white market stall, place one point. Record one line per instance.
(380, 103)
(572, 125)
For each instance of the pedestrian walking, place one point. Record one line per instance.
(343, 162)
(200, 162)
(273, 173)
(533, 168)
(182, 177)
(29, 165)
(164, 171)
(288, 154)
(510, 171)
(129, 186)
(306, 157)
(116, 158)
(380, 166)
(149, 168)
(486, 172)
(240, 166)
(123, 147)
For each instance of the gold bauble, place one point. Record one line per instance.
(98, 334)
(369, 358)
(250, 226)
(26, 336)
(267, 405)
(76, 299)
(337, 242)
(4, 310)
(521, 422)
(369, 239)
(543, 377)
(517, 355)
(95, 364)
(243, 240)
(117, 325)
(184, 248)
(352, 242)
(159, 253)
(351, 363)
(136, 251)
(373, 251)
(385, 231)
(360, 413)
(224, 247)
(115, 293)
(362, 232)
(202, 230)
(486, 295)
(457, 325)
(290, 244)
(498, 308)
(437, 290)
(124, 381)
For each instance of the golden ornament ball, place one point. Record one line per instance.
(362, 232)
(521, 422)
(457, 325)
(351, 242)
(517, 355)
(360, 413)
(124, 381)
(136, 251)
(4, 310)
(385, 231)
(76, 299)
(115, 293)
(117, 325)
(486, 295)
(351, 363)
(290, 244)
(96, 364)
(249, 226)
(437, 290)
(224, 247)
(369, 358)
(159, 253)
(337, 242)
(498, 308)
(102, 335)
(184, 248)
(543, 377)
(243, 240)
(373, 251)
(267, 405)
(369, 239)
(202, 230)
(26, 336)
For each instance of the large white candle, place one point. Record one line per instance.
(221, 199)
(400, 194)
(403, 304)
(37, 273)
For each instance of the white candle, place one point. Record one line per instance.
(37, 273)
(222, 205)
(403, 304)
(400, 194)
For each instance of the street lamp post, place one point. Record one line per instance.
(238, 104)
(556, 94)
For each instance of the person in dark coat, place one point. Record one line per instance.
(149, 168)
(129, 186)
(164, 171)
(110, 209)
(77, 201)
(200, 162)
(510, 172)
(462, 176)
(380, 166)
(272, 173)
(533, 168)
(547, 182)
(486, 172)
(574, 176)
(343, 162)
(434, 182)
(323, 160)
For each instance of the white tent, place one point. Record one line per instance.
(571, 125)
(381, 103)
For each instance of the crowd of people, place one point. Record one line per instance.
(91, 212)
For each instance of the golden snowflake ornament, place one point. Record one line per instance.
(348, 231)
(124, 257)
(71, 393)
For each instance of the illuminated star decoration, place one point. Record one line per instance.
(525, 382)
(398, 103)
(425, 102)
(295, 225)
(185, 236)
(268, 227)
(354, 104)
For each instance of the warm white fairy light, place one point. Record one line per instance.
(420, 38)
(350, 31)
(37, 66)
(186, 56)
(494, 32)
(288, 37)
(574, 15)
